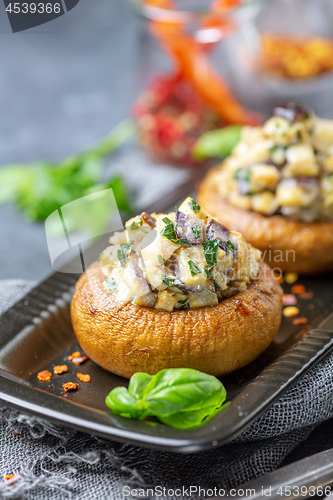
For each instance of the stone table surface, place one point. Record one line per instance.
(63, 85)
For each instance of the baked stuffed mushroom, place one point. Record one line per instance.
(176, 290)
(277, 189)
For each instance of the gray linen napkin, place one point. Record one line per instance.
(56, 463)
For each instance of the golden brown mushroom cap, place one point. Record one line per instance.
(124, 338)
(302, 247)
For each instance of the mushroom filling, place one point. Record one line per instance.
(181, 260)
(284, 167)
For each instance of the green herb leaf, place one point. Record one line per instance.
(179, 397)
(277, 154)
(197, 232)
(194, 269)
(217, 143)
(194, 206)
(243, 175)
(208, 272)
(182, 241)
(135, 225)
(160, 259)
(171, 281)
(169, 231)
(40, 188)
(183, 302)
(123, 253)
(229, 247)
(211, 248)
(110, 284)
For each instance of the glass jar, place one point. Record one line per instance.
(285, 55)
(183, 84)
(212, 62)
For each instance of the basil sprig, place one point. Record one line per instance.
(211, 248)
(178, 397)
(169, 231)
(123, 253)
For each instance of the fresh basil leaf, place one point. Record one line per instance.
(171, 281)
(178, 390)
(217, 143)
(194, 206)
(211, 248)
(110, 284)
(188, 419)
(123, 253)
(179, 397)
(197, 232)
(229, 247)
(138, 383)
(160, 259)
(194, 269)
(123, 403)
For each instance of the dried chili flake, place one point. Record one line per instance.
(59, 369)
(289, 299)
(79, 361)
(75, 354)
(44, 376)
(298, 289)
(15, 432)
(307, 295)
(11, 476)
(290, 311)
(70, 386)
(300, 321)
(84, 377)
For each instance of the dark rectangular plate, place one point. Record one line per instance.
(36, 334)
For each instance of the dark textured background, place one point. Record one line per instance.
(63, 85)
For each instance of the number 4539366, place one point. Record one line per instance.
(33, 8)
